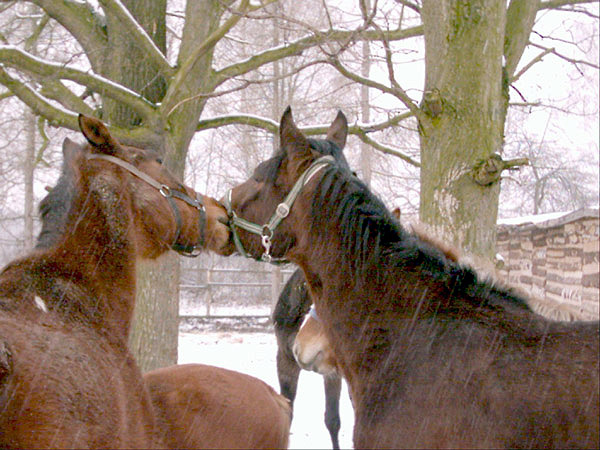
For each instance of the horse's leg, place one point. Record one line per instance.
(333, 389)
(288, 370)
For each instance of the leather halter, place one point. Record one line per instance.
(169, 194)
(281, 212)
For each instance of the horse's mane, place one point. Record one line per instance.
(373, 241)
(54, 209)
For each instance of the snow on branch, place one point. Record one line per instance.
(28, 63)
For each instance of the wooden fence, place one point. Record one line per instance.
(203, 282)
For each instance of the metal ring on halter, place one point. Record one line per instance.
(165, 191)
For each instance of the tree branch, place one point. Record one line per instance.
(554, 4)
(362, 135)
(138, 35)
(396, 91)
(55, 116)
(273, 127)
(566, 58)
(55, 90)
(530, 64)
(298, 46)
(520, 17)
(82, 22)
(209, 43)
(26, 62)
(140, 136)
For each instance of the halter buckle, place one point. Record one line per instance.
(282, 210)
(266, 236)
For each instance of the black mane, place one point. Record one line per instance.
(373, 241)
(54, 209)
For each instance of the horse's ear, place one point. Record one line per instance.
(290, 137)
(97, 134)
(338, 130)
(70, 149)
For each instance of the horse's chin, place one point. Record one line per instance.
(219, 239)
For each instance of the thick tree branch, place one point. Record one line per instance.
(55, 90)
(82, 22)
(297, 47)
(186, 67)
(26, 62)
(55, 116)
(138, 35)
(520, 18)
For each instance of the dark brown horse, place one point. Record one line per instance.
(67, 378)
(434, 356)
(292, 306)
(200, 406)
(311, 347)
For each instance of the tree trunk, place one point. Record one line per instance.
(155, 331)
(153, 338)
(465, 102)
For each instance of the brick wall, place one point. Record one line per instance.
(555, 259)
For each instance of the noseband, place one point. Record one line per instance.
(169, 194)
(281, 212)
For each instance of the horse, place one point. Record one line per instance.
(434, 355)
(311, 348)
(193, 403)
(67, 378)
(290, 310)
(201, 406)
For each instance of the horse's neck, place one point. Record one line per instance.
(88, 274)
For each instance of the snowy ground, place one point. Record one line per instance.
(254, 354)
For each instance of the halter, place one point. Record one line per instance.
(168, 193)
(281, 212)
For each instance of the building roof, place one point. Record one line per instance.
(548, 220)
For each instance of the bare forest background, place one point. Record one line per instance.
(206, 82)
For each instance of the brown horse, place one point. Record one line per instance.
(209, 407)
(201, 406)
(311, 347)
(67, 378)
(290, 310)
(434, 357)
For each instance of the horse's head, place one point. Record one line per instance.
(312, 348)
(165, 213)
(262, 208)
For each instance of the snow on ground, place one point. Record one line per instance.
(254, 354)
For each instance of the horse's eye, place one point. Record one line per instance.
(159, 160)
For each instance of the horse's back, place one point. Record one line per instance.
(467, 386)
(59, 388)
(217, 408)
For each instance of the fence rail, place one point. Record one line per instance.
(209, 281)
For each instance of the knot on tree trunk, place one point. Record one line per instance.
(488, 171)
(432, 102)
